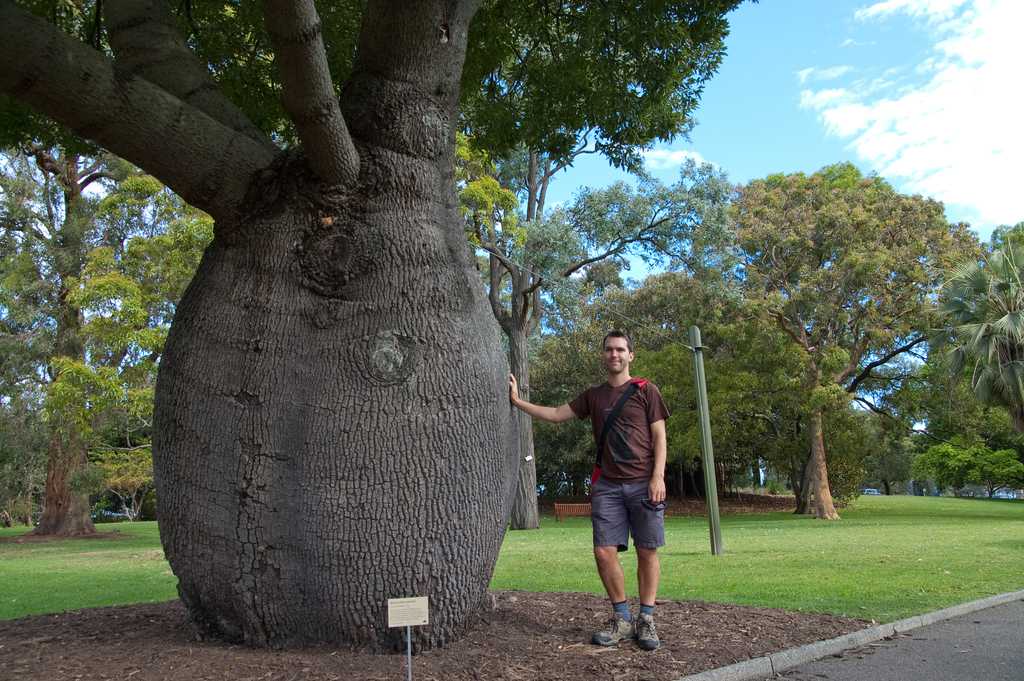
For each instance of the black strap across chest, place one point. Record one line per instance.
(612, 416)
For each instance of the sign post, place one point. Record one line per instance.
(408, 613)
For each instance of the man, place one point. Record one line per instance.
(628, 496)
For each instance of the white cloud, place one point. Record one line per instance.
(954, 133)
(809, 99)
(930, 10)
(830, 73)
(850, 42)
(667, 159)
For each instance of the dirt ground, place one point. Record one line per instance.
(542, 636)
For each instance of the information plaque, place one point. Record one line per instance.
(408, 612)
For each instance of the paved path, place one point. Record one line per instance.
(987, 645)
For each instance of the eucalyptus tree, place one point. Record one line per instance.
(47, 226)
(849, 270)
(983, 306)
(87, 291)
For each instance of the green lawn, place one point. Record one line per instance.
(888, 558)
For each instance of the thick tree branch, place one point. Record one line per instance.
(497, 255)
(94, 177)
(308, 91)
(784, 324)
(910, 429)
(494, 292)
(619, 245)
(204, 161)
(147, 44)
(866, 372)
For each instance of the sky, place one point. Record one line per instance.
(925, 93)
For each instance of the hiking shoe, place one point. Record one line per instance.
(618, 630)
(646, 633)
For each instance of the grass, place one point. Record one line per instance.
(890, 557)
(43, 577)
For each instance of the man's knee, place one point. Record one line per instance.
(605, 554)
(645, 555)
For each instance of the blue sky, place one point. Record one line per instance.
(926, 93)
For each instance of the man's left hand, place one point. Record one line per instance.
(656, 490)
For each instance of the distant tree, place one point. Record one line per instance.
(127, 474)
(996, 470)
(890, 463)
(90, 286)
(47, 226)
(950, 464)
(23, 444)
(1006, 234)
(848, 269)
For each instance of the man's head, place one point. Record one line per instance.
(616, 352)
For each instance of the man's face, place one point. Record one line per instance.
(616, 355)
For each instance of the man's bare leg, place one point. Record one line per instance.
(648, 574)
(610, 570)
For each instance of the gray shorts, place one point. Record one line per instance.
(618, 509)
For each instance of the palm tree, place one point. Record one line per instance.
(983, 306)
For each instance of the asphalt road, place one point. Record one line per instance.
(987, 645)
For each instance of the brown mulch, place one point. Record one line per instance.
(529, 636)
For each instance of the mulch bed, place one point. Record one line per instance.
(529, 636)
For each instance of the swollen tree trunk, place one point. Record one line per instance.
(332, 422)
(823, 507)
(332, 428)
(525, 515)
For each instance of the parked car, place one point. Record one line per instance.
(871, 491)
(108, 516)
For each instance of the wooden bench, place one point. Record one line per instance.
(567, 510)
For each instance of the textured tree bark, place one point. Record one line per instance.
(65, 512)
(823, 507)
(525, 515)
(332, 423)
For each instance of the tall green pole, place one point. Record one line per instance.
(707, 452)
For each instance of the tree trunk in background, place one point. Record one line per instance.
(823, 507)
(66, 511)
(804, 489)
(525, 515)
(332, 422)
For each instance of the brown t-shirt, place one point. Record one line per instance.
(628, 454)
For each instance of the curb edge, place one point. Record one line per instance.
(767, 666)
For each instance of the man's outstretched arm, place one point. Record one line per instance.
(550, 414)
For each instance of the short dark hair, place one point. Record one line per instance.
(615, 333)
